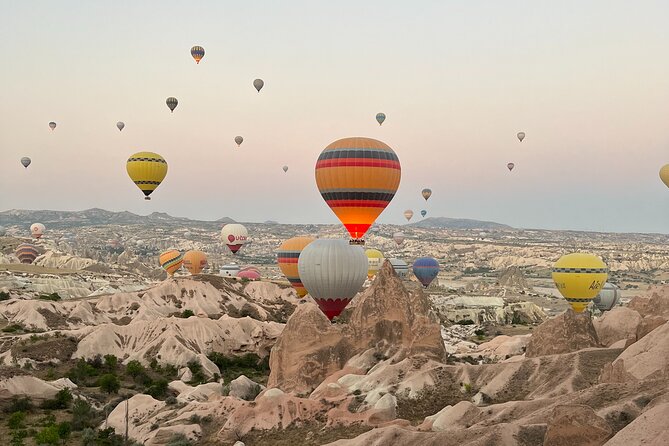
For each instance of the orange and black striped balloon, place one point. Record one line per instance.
(171, 260)
(287, 256)
(357, 177)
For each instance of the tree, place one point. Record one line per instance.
(109, 383)
(61, 401)
(16, 419)
(48, 435)
(82, 414)
(158, 388)
(111, 362)
(135, 368)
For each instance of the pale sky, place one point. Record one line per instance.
(588, 81)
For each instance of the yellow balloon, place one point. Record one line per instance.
(375, 259)
(579, 277)
(195, 261)
(147, 170)
(664, 174)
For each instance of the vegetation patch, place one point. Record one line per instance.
(250, 365)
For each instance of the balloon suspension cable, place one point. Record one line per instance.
(356, 241)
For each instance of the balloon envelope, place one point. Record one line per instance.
(230, 270)
(664, 174)
(521, 136)
(198, 53)
(258, 84)
(375, 260)
(357, 177)
(332, 271)
(400, 266)
(52, 125)
(195, 261)
(287, 256)
(380, 117)
(147, 170)
(579, 277)
(426, 193)
(26, 253)
(423, 213)
(398, 237)
(26, 161)
(426, 269)
(120, 125)
(510, 166)
(239, 140)
(171, 260)
(172, 103)
(249, 274)
(285, 168)
(234, 236)
(607, 298)
(408, 214)
(37, 230)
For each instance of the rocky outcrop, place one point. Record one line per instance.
(568, 332)
(32, 387)
(244, 388)
(574, 424)
(654, 303)
(386, 318)
(650, 428)
(619, 323)
(513, 277)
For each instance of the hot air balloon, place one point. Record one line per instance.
(258, 84)
(26, 253)
(579, 277)
(37, 230)
(607, 298)
(357, 177)
(52, 125)
(172, 103)
(400, 266)
(332, 271)
(147, 170)
(510, 166)
(239, 140)
(120, 125)
(380, 117)
(423, 213)
(195, 261)
(171, 260)
(426, 269)
(285, 168)
(26, 161)
(408, 214)
(664, 174)
(374, 260)
(521, 136)
(3, 231)
(230, 270)
(198, 53)
(398, 237)
(287, 256)
(234, 235)
(249, 274)
(426, 193)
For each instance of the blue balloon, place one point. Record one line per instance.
(423, 213)
(426, 269)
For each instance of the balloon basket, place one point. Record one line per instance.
(356, 241)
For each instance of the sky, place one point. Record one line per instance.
(588, 81)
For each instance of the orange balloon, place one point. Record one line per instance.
(195, 261)
(287, 256)
(357, 177)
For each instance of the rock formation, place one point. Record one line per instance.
(568, 332)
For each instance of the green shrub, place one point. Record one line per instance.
(83, 414)
(4, 295)
(178, 440)
(22, 404)
(64, 429)
(16, 420)
(187, 313)
(48, 435)
(109, 383)
(135, 368)
(52, 296)
(81, 371)
(12, 328)
(198, 374)
(61, 401)
(158, 389)
(465, 322)
(111, 361)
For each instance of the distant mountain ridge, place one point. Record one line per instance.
(92, 217)
(458, 223)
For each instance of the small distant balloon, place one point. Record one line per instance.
(398, 237)
(408, 214)
(258, 84)
(120, 125)
(37, 230)
(26, 161)
(239, 140)
(198, 53)
(423, 213)
(380, 117)
(427, 193)
(52, 125)
(510, 166)
(172, 103)
(664, 174)
(285, 168)
(521, 136)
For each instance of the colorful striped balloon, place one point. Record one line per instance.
(26, 253)
(197, 52)
(358, 177)
(426, 269)
(287, 256)
(171, 261)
